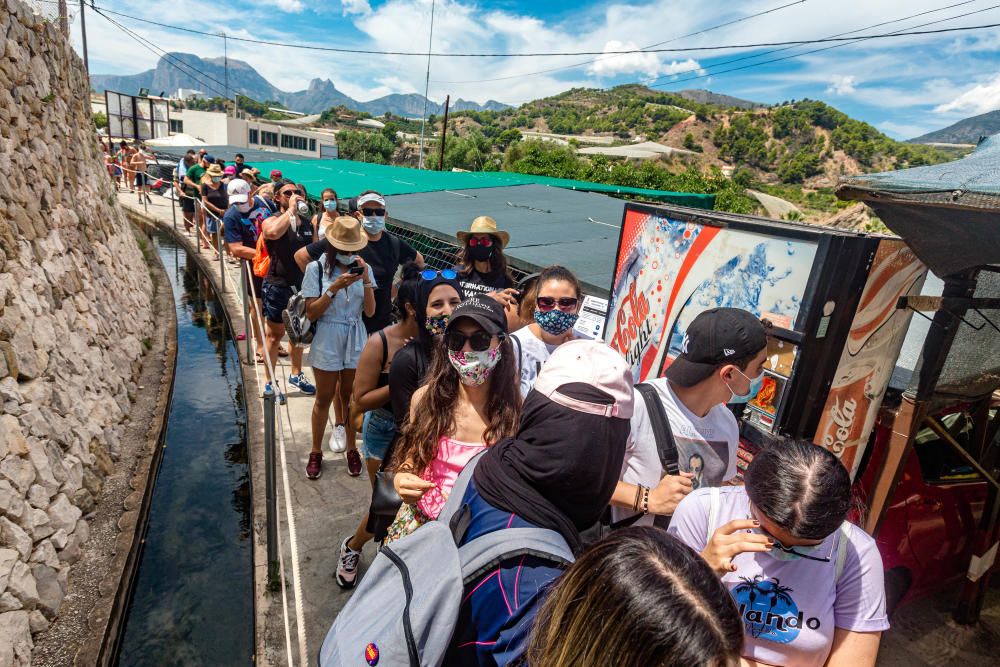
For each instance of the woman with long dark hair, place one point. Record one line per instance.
(371, 397)
(638, 597)
(808, 585)
(470, 402)
(482, 267)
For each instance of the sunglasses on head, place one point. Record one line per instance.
(431, 274)
(373, 211)
(550, 302)
(486, 242)
(479, 341)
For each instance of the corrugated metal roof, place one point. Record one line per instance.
(547, 225)
(228, 153)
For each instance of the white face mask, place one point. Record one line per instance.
(244, 207)
(345, 259)
(373, 224)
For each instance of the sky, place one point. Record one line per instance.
(904, 86)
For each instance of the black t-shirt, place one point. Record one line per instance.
(240, 168)
(483, 283)
(283, 270)
(385, 256)
(217, 197)
(406, 374)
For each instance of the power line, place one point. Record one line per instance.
(674, 39)
(723, 47)
(835, 46)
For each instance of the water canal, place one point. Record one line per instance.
(192, 600)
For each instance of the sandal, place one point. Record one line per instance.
(259, 359)
(282, 352)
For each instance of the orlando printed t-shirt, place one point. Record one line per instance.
(245, 227)
(790, 608)
(706, 446)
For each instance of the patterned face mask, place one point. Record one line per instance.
(555, 321)
(437, 324)
(474, 368)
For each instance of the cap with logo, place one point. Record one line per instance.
(716, 337)
(275, 174)
(593, 363)
(238, 191)
(484, 311)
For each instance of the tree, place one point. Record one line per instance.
(691, 144)
(365, 146)
(506, 138)
(100, 120)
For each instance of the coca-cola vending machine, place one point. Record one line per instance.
(830, 295)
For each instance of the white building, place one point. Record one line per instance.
(216, 128)
(188, 94)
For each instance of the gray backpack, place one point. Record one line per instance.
(405, 609)
(298, 326)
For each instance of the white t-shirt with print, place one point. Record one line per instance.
(707, 444)
(534, 352)
(790, 608)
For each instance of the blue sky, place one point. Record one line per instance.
(904, 86)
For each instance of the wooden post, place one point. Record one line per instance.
(444, 133)
(63, 18)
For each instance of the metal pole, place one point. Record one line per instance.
(198, 211)
(247, 327)
(225, 60)
(444, 132)
(271, 513)
(427, 85)
(83, 33)
(173, 204)
(222, 258)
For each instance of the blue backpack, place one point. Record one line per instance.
(405, 609)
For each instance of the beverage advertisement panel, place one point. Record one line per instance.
(869, 357)
(670, 270)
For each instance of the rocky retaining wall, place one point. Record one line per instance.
(74, 310)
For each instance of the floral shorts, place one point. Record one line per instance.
(408, 519)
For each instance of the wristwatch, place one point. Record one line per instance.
(331, 294)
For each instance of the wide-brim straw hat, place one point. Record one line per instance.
(215, 170)
(484, 224)
(346, 234)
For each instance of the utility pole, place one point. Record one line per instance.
(427, 85)
(225, 61)
(444, 133)
(63, 18)
(83, 33)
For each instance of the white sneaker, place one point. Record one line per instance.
(338, 443)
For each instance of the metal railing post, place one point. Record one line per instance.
(173, 204)
(198, 212)
(222, 257)
(270, 492)
(247, 328)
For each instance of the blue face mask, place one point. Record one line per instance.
(555, 321)
(755, 385)
(373, 224)
(330, 205)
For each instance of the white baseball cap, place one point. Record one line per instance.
(238, 191)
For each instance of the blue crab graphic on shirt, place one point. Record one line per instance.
(769, 611)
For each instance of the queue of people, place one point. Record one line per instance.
(480, 412)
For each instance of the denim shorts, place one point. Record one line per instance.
(378, 431)
(211, 224)
(275, 301)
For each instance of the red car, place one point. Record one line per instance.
(926, 537)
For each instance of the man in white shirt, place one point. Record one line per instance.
(722, 361)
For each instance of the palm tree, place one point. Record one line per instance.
(751, 586)
(779, 593)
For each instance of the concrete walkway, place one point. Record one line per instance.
(325, 511)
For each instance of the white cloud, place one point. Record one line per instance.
(976, 100)
(355, 7)
(611, 65)
(293, 6)
(843, 84)
(905, 130)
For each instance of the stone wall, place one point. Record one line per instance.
(74, 309)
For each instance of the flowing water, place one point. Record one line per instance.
(193, 596)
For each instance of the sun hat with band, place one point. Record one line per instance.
(716, 337)
(345, 234)
(591, 363)
(214, 170)
(484, 224)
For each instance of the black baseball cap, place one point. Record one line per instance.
(714, 338)
(484, 311)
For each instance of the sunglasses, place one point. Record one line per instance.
(289, 193)
(479, 341)
(373, 211)
(564, 302)
(431, 274)
(791, 550)
(486, 243)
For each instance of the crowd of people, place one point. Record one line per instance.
(464, 378)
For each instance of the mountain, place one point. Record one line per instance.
(708, 97)
(967, 131)
(185, 70)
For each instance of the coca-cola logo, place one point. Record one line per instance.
(842, 417)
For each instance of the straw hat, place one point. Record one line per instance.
(484, 224)
(345, 234)
(214, 170)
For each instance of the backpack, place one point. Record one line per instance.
(405, 609)
(666, 448)
(298, 326)
(715, 500)
(261, 261)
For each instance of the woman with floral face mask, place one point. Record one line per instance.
(557, 307)
(470, 402)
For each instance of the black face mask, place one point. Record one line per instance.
(480, 253)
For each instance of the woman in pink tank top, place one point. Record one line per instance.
(470, 402)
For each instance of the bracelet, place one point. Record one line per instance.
(638, 495)
(645, 500)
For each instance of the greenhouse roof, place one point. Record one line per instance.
(350, 178)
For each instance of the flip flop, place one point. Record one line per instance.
(282, 352)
